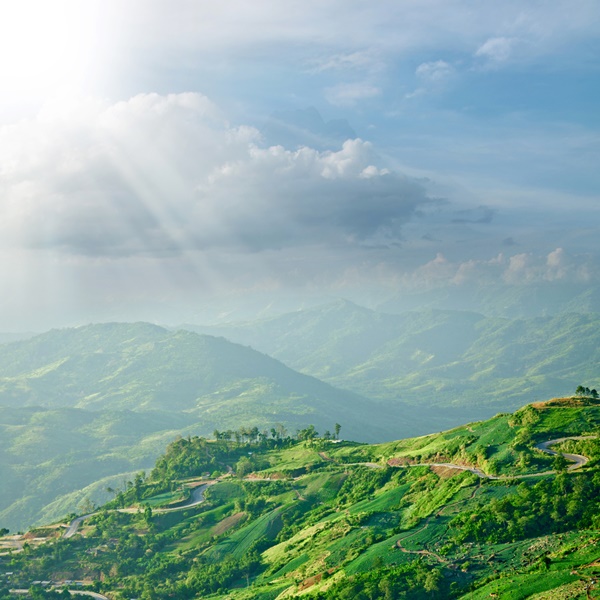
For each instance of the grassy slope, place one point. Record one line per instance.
(341, 520)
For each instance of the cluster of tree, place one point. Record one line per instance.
(274, 437)
(550, 506)
(585, 392)
(192, 456)
(310, 434)
(252, 435)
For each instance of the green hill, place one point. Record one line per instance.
(79, 405)
(318, 519)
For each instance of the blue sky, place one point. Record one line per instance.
(157, 157)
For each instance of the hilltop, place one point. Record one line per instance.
(482, 510)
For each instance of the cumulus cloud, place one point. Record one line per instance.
(517, 269)
(160, 175)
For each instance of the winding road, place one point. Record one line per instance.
(196, 497)
(197, 493)
(578, 461)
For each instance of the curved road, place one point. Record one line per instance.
(196, 497)
(577, 459)
(197, 494)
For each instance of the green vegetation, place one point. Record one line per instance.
(305, 517)
(82, 410)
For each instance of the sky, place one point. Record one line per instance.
(165, 161)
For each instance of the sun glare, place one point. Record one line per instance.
(44, 46)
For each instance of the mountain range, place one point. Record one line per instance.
(431, 358)
(78, 405)
(83, 408)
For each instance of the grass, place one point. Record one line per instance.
(166, 498)
(383, 502)
(240, 542)
(294, 459)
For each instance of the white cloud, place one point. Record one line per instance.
(348, 61)
(518, 269)
(162, 175)
(496, 51)
(433, 76)
(435, 72)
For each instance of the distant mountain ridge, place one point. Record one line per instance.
(431, 357)
(140, 367)
(84, 404)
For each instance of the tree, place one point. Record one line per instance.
(432, 580)
(3, 531)
(148, 514)
(337, 430)
(560, 463)
(243, 467)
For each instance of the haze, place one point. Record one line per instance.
(173, 161)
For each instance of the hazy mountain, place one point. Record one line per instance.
(49, 454)
(79, 405)
(432, 357)
(509, 301)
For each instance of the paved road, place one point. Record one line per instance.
(577, 459)
(72, 592)
(74, 525)
(196, 497)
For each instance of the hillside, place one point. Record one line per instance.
(483, 510)
(80, 405)
(431, 358)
